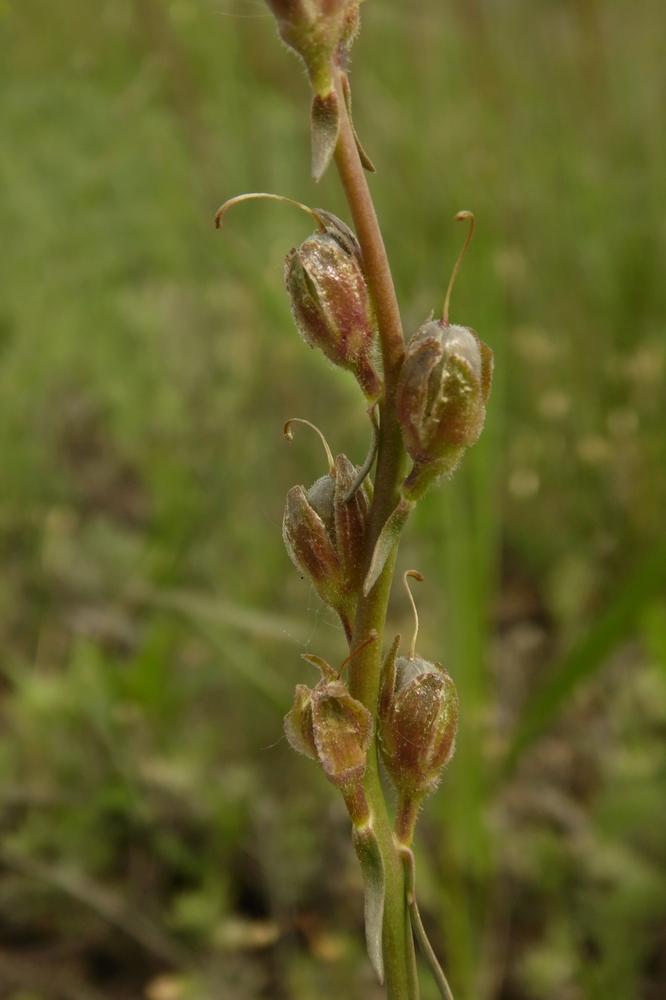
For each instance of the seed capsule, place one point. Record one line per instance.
(417, 720)
(329, 726)
(331, 304)
(324, 534)
(329, 296)
(442, 392)
(417, 723)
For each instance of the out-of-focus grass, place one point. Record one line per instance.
(150, 620)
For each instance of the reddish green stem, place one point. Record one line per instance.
(375, 261)
(364, 671)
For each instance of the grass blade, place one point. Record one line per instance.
(611, 628)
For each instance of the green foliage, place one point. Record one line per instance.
(154, 824)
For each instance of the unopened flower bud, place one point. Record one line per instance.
(320, 31)
(341, 730)
(417, 724)
(331, 304)
(324, 534)
(329, 296)
(417, 720)
(329, 726)
(442, 392)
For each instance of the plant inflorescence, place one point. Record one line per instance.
(426, 402)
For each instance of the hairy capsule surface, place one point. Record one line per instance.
(331, 304)
(442, 393)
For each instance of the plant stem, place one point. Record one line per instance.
(375, 261)
(407, 814)
(419, 929)
(364, 670)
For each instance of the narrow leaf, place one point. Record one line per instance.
(417, 924)
(194, 604)
(606, 633)
(372, 868)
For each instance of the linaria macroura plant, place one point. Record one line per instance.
(426, 401)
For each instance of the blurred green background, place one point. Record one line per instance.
(159, 838)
